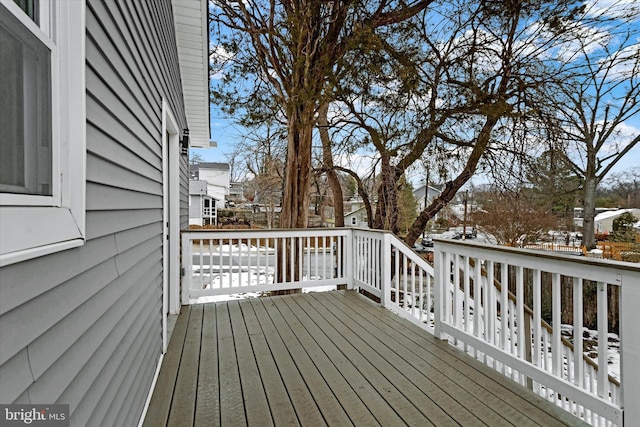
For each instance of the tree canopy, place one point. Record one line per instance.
(463, 85)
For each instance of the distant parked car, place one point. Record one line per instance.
(419, 248)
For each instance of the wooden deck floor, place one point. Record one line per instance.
(328, 358)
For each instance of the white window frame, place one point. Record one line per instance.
(33, 226)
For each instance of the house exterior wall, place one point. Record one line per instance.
(218, 180)
(357, 218)
(83, 326)
(195, 209)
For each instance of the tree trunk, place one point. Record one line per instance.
(387, 206)
(451, 188)
(327, 160)
(296, 192)
(295, 197)
(589, 211)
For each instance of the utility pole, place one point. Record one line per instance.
(426, 196)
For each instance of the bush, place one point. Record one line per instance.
(630, 256)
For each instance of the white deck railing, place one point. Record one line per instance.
(497, 327)
(223, 262)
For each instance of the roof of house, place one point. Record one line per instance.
(354, 211)
(211, 166)
(192, 39)
(197, 187)
(612, 214)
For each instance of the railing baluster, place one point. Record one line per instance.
(520, 322)
(421, 293)
(537, 318)
(556, 315)
(457, 304)
(490, 311)
(578, 310)
(302, 250)
(230, 241)
(466, 280)
(210, 263)
(603, 340)
(404, 281)
(477, 299)
(221, 263)
(504, 304)
(317, 258)
(201, 263)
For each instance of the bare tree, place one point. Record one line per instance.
(512, 218)
(473, 78)
(602, 94)
(290, 50)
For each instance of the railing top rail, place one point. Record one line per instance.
(263, 233)
(413, 256)
(592, 268)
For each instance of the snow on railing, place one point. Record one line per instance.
(486, 314)
(224, 262)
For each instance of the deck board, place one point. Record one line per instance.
(330, 358)
(303, 402)
(332, 412)
(358, 412)
(255, 400)
(231, 399)
(282, 411)
(468, 370)
(208, 402)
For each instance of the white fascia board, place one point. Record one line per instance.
(192, 39)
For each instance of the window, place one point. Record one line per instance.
(42, 147)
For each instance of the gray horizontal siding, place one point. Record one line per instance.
(83, 326)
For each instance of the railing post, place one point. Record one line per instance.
(186, 272)
(385, 284)
(438, 290)
(349, 258)
(630, 346)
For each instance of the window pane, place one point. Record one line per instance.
(25, 102)
(30, 7)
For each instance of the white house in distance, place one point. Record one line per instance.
(603, 222)
(203, 209)
(217, 176)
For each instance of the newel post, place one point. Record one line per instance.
(630, 345)
(349, 258)
(385, 283)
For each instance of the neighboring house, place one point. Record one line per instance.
(353, 204)
(93, 194)
(203, 209)
(603, 222)
(418, 194)
(356, 218)
(217, 176)
(578, 215)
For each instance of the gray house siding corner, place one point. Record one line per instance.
(83, 326)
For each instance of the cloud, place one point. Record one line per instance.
(218, 57)
(624, 10)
